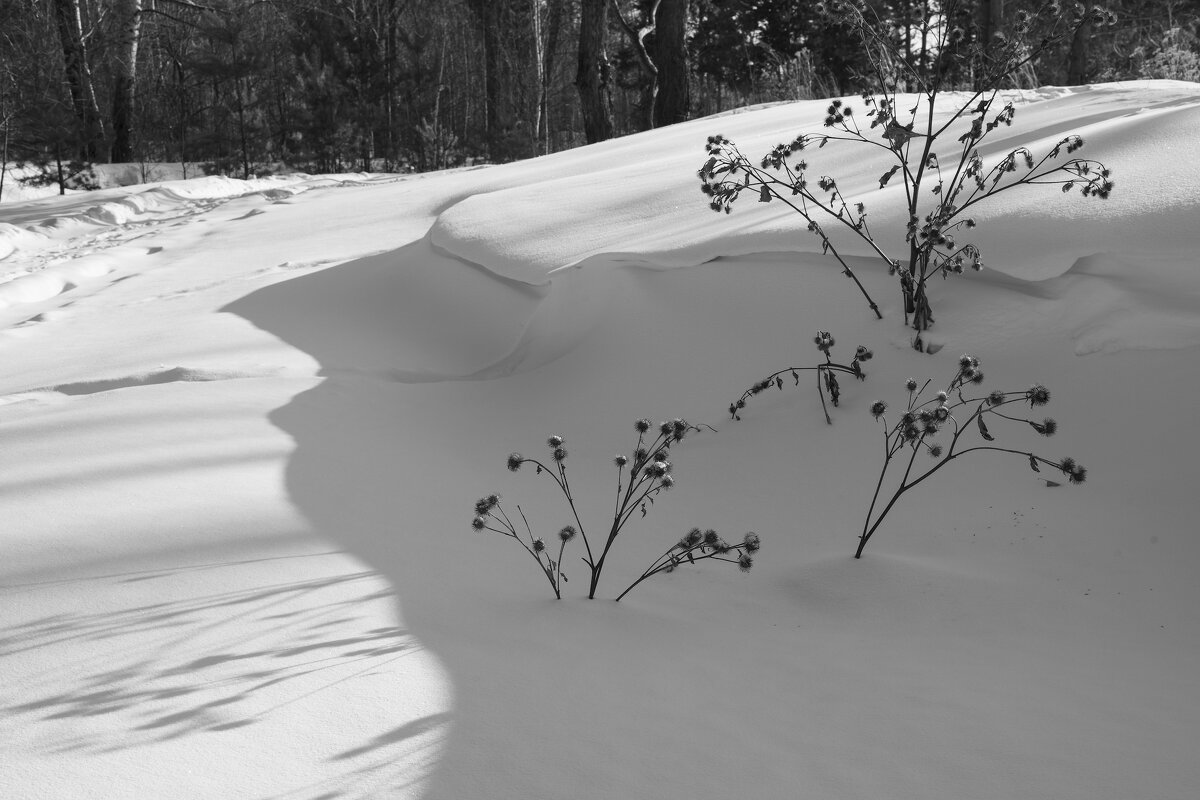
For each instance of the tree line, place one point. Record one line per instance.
(244, 86)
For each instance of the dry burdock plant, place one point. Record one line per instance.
(826, 376)
(642, 475)
(917, 428)
(938, 159)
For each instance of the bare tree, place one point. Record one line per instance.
(129, 27)
(593, 76)
(660, 45)
(79, 78)
(672, 100)
(1077, 55)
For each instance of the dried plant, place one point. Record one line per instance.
(826, 376)
(943, 172)
(700, 545)
(642, 476)
(952, 412)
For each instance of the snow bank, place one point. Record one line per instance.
(243, 539)
(600, 202)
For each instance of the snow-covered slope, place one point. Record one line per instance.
(244, 427)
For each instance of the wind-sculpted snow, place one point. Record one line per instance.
(642, 199)
(30, 226)
(244, 538)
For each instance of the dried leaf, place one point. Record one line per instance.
(887, 176)
(983, 431)
(1033, 463)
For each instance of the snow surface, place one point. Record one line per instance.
(244, 425)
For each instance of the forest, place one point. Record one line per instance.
(246, 87)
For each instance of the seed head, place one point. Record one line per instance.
(478, 523)
(935, 451)
(538, 545)
(642, 425)
(995, 398)
(877, 409)
(751, 542)
(514, 461)
(1067, 464)
(667, 481)
(620, 461)
(711, 537)
(560, 454)
(745, 562)
(1078, 474)
(863, 354)
(694, 537)
(567, 533)
(666, 428)
(911, 384)
(1049, 427)
(554, 441)
(1037, 395)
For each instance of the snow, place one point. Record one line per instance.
(244, 426)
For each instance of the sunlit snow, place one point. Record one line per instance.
(244, 425)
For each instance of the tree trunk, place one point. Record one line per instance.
(592, 76)
(4, 159)
(990, 18)
(1077, 57)
(79, 78)
(673, 98)
(129, 25)
(496, 19)
(554, 17)
(637, 40)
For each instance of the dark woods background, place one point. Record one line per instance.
(247, 86)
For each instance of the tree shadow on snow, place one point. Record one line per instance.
(199, 661)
